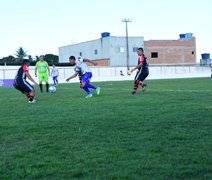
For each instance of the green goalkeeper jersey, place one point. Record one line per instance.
(42, 66)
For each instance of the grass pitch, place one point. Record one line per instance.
(163, 133)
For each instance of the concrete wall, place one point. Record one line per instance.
(113, 73)
(171, 51)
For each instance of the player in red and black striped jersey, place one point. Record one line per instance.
(143, 71)
(22, 85)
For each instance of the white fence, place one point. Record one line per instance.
(113, 73)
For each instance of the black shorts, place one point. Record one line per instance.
(141, 74)
(23, 86)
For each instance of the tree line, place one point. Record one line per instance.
(21, 54)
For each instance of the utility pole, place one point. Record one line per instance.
(126, 20)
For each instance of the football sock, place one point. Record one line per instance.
(141, 83)
(90, 86)
(85, 88)
(31, 98)
(41, 87)
(27, 95)
(136, 84)
(47, 87)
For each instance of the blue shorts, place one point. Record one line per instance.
(86, 77)
(55, 78)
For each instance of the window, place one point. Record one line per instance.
(80, 53)
(121, 49)
(154, 54)
(95, 51)
(135, 49)
(192, 52)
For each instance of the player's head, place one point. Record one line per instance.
(41, 57)
(72, 60)
(26, 62)
(140, 51)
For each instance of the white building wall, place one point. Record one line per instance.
(86, 50)
(112, 47)
(118, 57)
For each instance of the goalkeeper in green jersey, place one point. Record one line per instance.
(43, 70)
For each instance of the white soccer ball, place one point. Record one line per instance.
(52, 89)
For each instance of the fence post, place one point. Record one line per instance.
(3, 73)
(64, 73)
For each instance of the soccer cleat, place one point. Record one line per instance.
(144, 87)
(98, 90)
(89, 96)
(133, 92)
(33, 101)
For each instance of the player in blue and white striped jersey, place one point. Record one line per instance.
(84, 73)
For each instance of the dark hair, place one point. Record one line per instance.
(72, 57)
(141, 49)
(25, 61)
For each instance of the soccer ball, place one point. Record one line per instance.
(52, 89)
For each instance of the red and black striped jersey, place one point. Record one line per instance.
(143, 59)
(21, 74)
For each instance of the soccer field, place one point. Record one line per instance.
(162, 133)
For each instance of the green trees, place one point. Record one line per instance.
(51, 58)
(8, 59)
(21, 54)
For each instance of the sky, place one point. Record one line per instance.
(42, 26)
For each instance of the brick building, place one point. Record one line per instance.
(178, 51)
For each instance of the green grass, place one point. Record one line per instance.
(163, 133)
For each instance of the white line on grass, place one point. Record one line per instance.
(158, 90)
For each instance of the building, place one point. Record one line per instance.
(111, 50)
(108, 50)
(178, 51)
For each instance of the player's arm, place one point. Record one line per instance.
(30, 77)
(73, 76)
(92, 62)
(137, 67)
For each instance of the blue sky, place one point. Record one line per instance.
(41, 26)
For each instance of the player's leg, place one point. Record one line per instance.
(83, 85)
(142, 77)
(86, 89)
(31, 96)
(54, 80)
(87, 78)
(45, 79)
(29, 91)
(136, 82)
(40, 79)
(97, 89)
